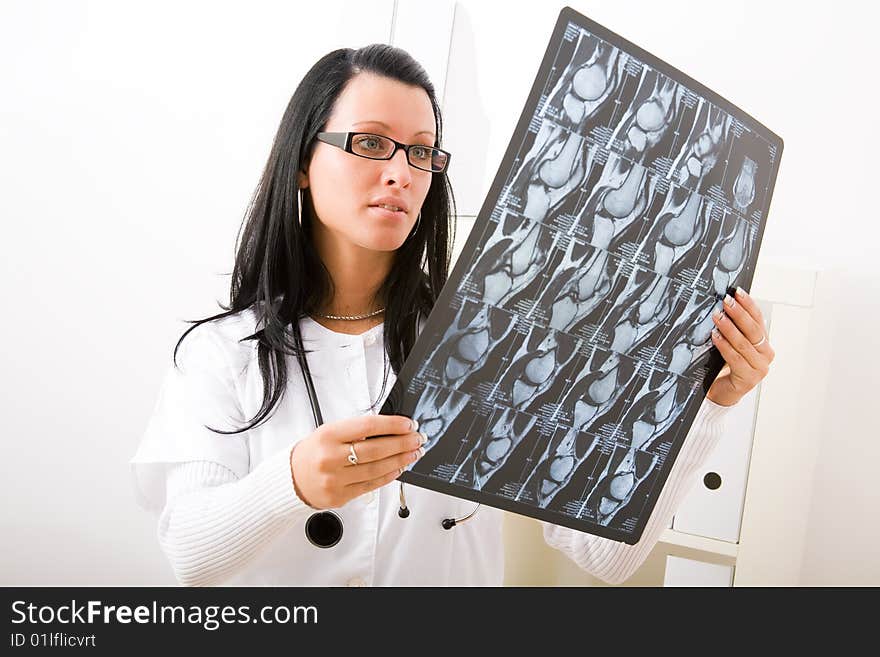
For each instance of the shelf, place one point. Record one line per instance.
(701, 543)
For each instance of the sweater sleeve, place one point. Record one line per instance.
(215, 523)
(614, 562)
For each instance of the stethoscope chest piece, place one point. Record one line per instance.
(324, 529)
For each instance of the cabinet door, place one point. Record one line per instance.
(714, 507)
(688, 572)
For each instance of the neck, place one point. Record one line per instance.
(357, 274)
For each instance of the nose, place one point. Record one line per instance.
(397, 170)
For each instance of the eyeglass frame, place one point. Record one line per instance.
(343, 140)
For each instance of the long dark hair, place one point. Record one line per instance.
(278, 272)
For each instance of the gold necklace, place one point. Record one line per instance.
(352, 317)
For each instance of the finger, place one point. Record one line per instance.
(749, 305)
(380, 448)
(365, 487)
(369, 471)
(739, 342)
(743, 320)
(730, 355)
(366, 426)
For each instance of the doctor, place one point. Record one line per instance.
(347, 240)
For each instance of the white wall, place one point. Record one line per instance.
(843, 533)
(131, 138)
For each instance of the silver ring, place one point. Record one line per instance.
(352, 455)
(760, 342)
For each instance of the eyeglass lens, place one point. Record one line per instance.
(378, 147)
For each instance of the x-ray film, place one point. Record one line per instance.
(570, 350)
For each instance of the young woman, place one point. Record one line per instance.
(344, 251)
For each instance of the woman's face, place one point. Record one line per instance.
(346, 189)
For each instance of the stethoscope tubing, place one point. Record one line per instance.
(448, 523)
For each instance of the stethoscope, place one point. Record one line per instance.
(324, 528)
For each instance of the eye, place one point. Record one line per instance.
(421, 153)
(368, 143)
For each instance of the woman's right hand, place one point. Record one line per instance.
(322, 475)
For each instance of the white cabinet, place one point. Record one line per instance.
(765, 548)
(713, 509)
(688, 572)
(752, 526)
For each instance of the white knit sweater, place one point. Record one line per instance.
(215, 523)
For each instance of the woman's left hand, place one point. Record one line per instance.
(741, 338)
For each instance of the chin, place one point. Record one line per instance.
(383, 242)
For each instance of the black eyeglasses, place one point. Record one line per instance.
(377, 147)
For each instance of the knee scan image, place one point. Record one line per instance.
(567, 357)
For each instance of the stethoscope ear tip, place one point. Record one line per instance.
(448, 523)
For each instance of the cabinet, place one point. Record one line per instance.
(763, 541)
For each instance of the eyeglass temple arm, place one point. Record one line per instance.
(335, 138)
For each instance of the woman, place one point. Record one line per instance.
(334, 244)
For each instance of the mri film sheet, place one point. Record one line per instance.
(570, 350)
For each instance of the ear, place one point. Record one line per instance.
(302, 179)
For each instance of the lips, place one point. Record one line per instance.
(382, 211)
(390, 203)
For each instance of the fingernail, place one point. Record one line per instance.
(716, 334)
(717, 315)
(741, 292)
(420, 452)
(415, 425)
(423, 437)
(729, 300)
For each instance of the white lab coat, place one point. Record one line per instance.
(219, 381)
(220, 378)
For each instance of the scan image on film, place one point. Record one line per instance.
(566, 359)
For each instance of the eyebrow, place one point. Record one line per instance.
(385, 125)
